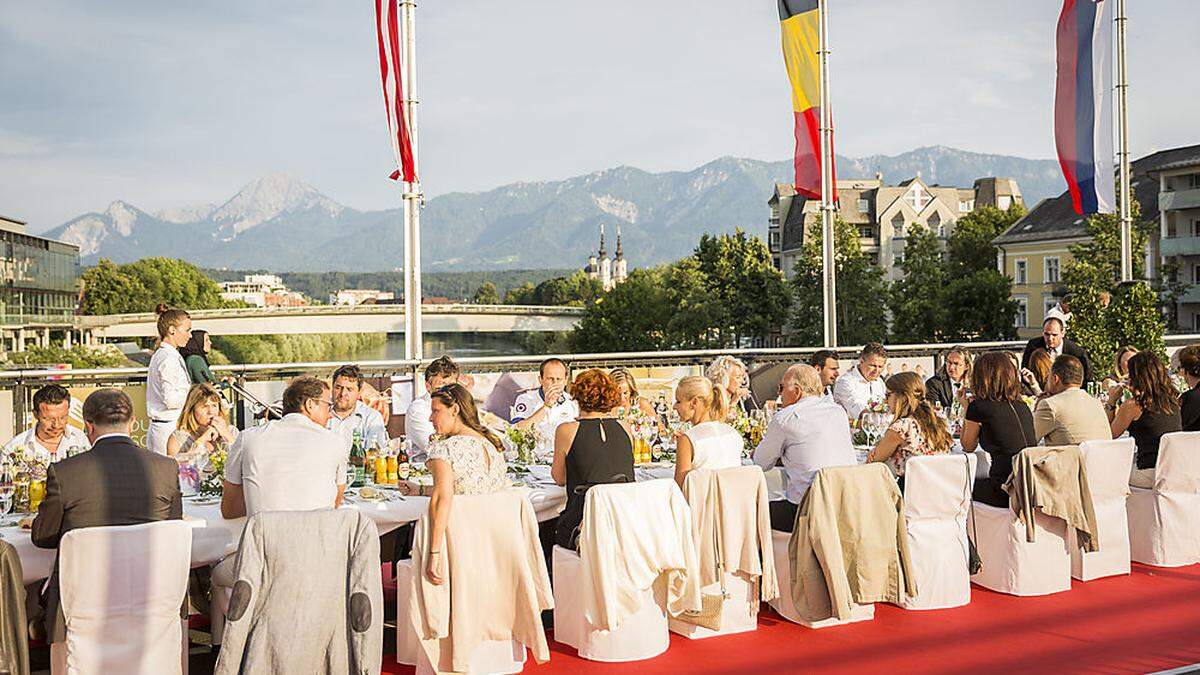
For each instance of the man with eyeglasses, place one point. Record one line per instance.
(1055, 342)
(291, 464)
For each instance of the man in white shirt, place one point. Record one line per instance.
(828, 368)
(417, 427)
(167, 380)
(51, 437)
(292, 464)
(350, 414)
(808, 434)
(864, 382)
(548, 406)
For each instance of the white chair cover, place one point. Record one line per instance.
(641, 635)
(937, 495)
(1017, 567)
(1164, 522)
(739, 612)
(122, 588)
(493, 656)
(1107, 464)
(784, 605)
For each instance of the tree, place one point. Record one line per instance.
(979, 306)
(917, 302)
(140, 286)
(861, 291)
(970, 247)
(107, 289)
(486, 294)
(739, 274)
(79, 356)
(575, 290)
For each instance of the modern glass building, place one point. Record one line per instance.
(39, 278)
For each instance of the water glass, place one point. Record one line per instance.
(7, 489)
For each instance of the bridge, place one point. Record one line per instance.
(441, 318)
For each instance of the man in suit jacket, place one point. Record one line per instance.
(117, 483)
(1069, 415)
(1054, 341)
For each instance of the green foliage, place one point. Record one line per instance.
(738, 273)
(970, 247)
(917, 302)
(575, 290)
(979, 306)
(78, 356)
(140, 286)
(486, 294)
(861, 291)
(293, 348)
(1134, 319)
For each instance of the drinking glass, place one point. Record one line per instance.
(7, 489)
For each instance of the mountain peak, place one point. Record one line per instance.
(122, 216)
(265, 198)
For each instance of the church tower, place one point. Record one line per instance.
(620, 266)
(605, 263)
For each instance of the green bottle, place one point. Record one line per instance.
(358, 457)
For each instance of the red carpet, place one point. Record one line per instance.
(1141, 623)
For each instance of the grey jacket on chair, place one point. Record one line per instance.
(14, 647)
(308, 596)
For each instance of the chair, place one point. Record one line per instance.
(1015, 566)
(784, 604)
(642, 631)
(1164, 522)
(121, 590)
(937, 497)
(1108, 464)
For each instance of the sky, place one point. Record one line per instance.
(169, 104)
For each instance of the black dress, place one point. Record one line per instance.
(601, 453)
(1189, 409)
(1147, 431)
(1005, 429)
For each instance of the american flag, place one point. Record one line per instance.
(387, 23)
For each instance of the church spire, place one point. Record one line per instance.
(602, 252)
(619, 256)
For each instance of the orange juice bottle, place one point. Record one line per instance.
(381, 470)
(393, 470)
(37, 491)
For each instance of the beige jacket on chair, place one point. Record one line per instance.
(1053, 479)
(496, 585)
(735, 500)
(850, 543)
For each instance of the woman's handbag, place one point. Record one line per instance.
(709, 614)
(974, 562)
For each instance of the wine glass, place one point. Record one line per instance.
(7, 489)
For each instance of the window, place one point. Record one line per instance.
(1048, 303)
(1196, 274)
(774, 240)
(1022, 318)
(917, 197)
(1052, 276)
(898, 224)
(1196, 227)
(1004, 202)
(966, 205)
(866, 231)
(1193, 181)
(863, 206)
(897, 259)
(1019, 272)
(1196, 322)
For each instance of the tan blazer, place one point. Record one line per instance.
(1070, 418)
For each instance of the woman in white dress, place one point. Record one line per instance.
(710, 443)
(466, 458)
(167, 382)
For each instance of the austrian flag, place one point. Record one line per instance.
(387, 25)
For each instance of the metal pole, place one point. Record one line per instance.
(413, 198)
(828, 267)
(1123, 151)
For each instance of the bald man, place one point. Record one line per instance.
(809, 433)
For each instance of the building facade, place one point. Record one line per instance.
(600, 267)
(40, 289)
(360, 296)
(262, 290)
(883, 214)
(1178, 174)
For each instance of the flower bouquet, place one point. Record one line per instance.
(875, 420)
(212, 474)
(752, 428)
(30, 460)
(523, 443)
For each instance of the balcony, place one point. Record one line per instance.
(1191, 295)
(1179, 199)
(1173, 246)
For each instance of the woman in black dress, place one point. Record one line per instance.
(1151, 411)
(595, 450)
(1189, 402)
(998, 420)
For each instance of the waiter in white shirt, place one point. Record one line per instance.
(418, 429)
(350, 414)
(548, 406)
(51, 436)
(864, 382)
(167, 382)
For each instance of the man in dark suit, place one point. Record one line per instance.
(117, 483)
(1054, 341)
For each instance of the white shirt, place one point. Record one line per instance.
(715, 445)
(853, 392)
(291, 464)
(530, 402)
(417, 427)
(167, 384)
(808, 435)
(74, 441)
(366, 420)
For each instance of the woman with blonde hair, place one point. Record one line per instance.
(916, 429)
(709, 443)
(729, 372)
(630, 398)
(202, 428)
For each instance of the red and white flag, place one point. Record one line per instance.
(387, 24)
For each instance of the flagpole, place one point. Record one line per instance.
(1123, 151)
(413, 198)
(828, 277)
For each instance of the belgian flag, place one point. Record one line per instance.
(800, 26)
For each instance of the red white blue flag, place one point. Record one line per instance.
(391, 67)
(1083, 126)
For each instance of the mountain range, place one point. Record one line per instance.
(283, 224)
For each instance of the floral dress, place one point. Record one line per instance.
(912, 442)
(478, 468)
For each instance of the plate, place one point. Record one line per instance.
(204, 501)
